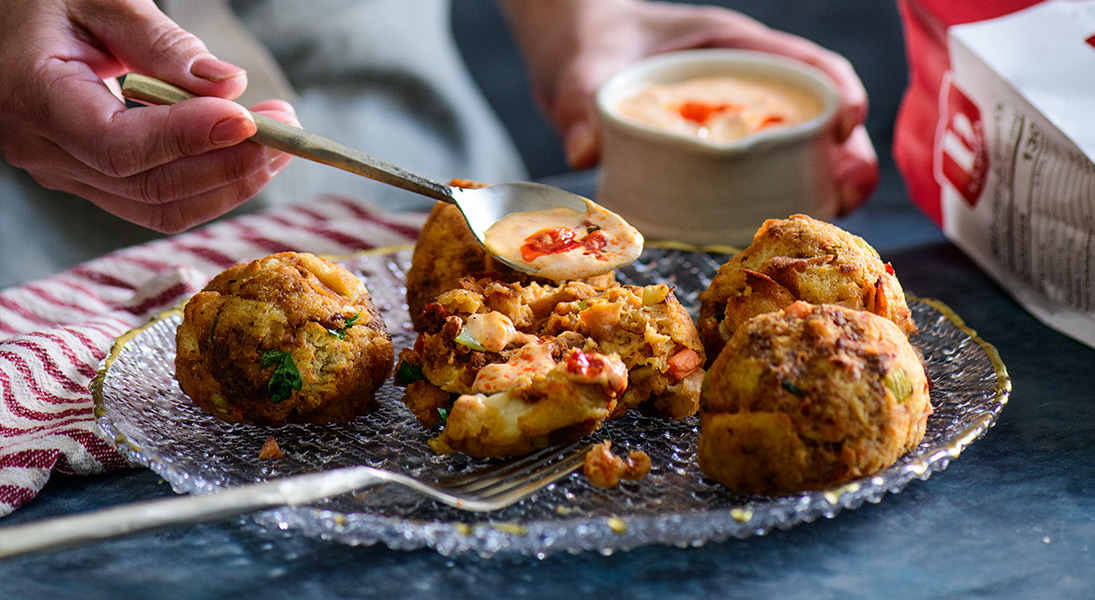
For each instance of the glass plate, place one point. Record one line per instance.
(140, 406)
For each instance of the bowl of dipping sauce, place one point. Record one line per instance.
(701, 146)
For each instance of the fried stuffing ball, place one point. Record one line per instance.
(554, 361)
(446, 251)
(799, 258)
(809, 397)
(287, 338)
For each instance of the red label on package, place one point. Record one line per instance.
(961, 153)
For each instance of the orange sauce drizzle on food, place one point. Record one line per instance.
(594, 367)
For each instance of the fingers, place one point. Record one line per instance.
(581, 144)
(853, 96)
(855, 169)
(176, 195)
(570, 102)
(643, 29)
(574, 114)
(85, 119)
(144, 40)
(734, 30)
(165, 167)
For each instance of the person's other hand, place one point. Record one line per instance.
(573, 46)
(165, 167)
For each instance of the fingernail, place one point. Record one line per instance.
(214, 69)
(580, 146)
(232, 129)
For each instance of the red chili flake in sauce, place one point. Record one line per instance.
(771, 120)
(889, 268)
(556, 240)
(580, 363)
(700, 112)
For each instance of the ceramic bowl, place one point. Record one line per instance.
(674, 186)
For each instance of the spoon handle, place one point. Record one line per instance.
(298, 142)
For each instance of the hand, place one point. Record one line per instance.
(573, 46)
(165, 167)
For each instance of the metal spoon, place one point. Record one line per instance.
(481, 207)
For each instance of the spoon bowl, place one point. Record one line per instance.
(482, 207)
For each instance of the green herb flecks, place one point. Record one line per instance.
(407, 373)
(794, 389)
(444, 414)
(213, 328)
(340, 333)
(286, 377)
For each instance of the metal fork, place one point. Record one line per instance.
(486, 490)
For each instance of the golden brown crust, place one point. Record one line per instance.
(447, 252)
(809, 397)
(604, 469)
(799, 258)
(288, 305)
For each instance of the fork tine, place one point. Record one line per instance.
(505, 469)
(501, 491)
(516, 489)
(494, 475)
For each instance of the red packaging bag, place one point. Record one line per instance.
(995, 139)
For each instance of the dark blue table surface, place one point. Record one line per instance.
(1012, 517)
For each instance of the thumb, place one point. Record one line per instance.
(581, 144)
(572, 109)
(144, 40)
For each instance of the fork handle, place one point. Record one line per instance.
(166, 513)
(298, 142)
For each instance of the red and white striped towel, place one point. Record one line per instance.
(54, 332)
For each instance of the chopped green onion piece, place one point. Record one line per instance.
(340, 333)
(790, 387)
(213, 328)
(444, 414)
(468, 340)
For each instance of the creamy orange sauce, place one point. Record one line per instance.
(720, 109)
(563, 243)
(494, 331)
(530, 360)
(609, 371)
